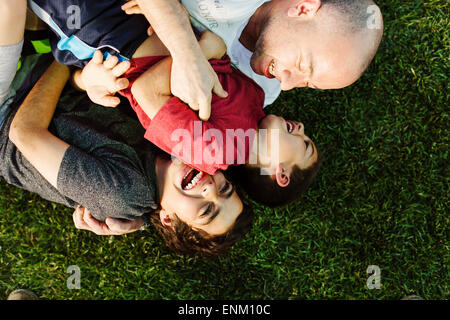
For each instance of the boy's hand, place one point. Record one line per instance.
(101, 79)
(83, 220)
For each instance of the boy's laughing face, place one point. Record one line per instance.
(295, 148)
(204, 202)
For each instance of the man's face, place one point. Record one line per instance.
(301, 55)
(204, 202)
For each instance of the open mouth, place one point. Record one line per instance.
(290, 126)
(191, 179)
(272, 68)
(270, 72)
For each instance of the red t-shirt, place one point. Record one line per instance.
(225, 139)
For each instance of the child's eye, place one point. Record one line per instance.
(208, 210)
(225, 188)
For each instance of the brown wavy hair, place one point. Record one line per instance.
(183, 239)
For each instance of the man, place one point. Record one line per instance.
(281, 44)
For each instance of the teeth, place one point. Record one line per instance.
(272, 68)
(290, 127)
(194, 181)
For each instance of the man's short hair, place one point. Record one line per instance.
(352, 14)
(184, 240)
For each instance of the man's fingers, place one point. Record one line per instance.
(132, 7)
(193, 105)
(121, 68)
(218, 90)
(130, 4)
(98, 57)
(205, 109)
(111, 62)
(134, 10)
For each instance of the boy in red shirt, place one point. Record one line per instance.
(237, 132)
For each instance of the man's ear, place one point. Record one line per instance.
(304, 7)
(282, 176)
(166, 220)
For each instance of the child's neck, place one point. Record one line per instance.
(260, 147)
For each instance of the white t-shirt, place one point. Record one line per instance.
(227, 19)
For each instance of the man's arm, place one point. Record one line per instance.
(29, 129)
(192, 77)
(152, 89)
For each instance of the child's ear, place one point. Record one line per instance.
(282, 176)
(304, 7)
(166, 221)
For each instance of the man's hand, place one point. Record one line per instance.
(193, 80)
(132, 7)
(101, 79)
(83, 220)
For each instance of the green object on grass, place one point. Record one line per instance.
(42, 46)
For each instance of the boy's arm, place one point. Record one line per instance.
(152, 89)
(29, 129)
(29, 132)
(192, 77)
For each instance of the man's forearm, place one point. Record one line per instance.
(171, 23)
(152, 89)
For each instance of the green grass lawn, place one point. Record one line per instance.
(381, 198)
